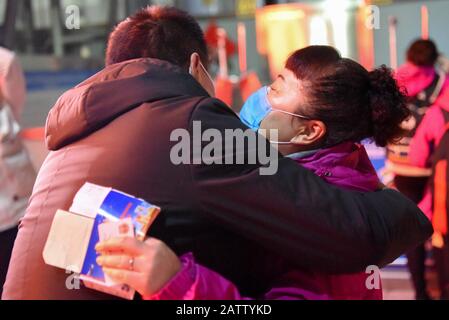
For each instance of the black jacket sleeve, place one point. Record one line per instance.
(294, 213)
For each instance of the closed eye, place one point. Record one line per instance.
(272, 88)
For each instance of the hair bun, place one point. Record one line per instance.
(388, 106)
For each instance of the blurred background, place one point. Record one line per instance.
(60, 43)
(55, 57)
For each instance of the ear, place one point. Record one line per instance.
(311, 133)
(194, 68)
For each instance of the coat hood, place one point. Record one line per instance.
(112, 92)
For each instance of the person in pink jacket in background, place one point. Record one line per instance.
(415, 75)
(322, 106)
(425, 85)
(427, 137)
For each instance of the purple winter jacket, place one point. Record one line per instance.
(346, 165)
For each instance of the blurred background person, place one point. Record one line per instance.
(428, 150)
(423, 84)
(12, 82)
(17, 174)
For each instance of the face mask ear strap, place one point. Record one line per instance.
(276, 142)
(292, 114)
(280, 142)
(207, 73)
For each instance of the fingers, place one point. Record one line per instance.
(119, 262)
(151, 242)
(126, 245)
(131, 278)
(154, 263)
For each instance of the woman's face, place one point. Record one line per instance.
(286, 94)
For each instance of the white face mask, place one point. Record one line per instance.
(281, 142)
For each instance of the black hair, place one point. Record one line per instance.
(353, 103)
(164, 33)
(423, 53)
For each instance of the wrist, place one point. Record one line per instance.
(181, 282)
